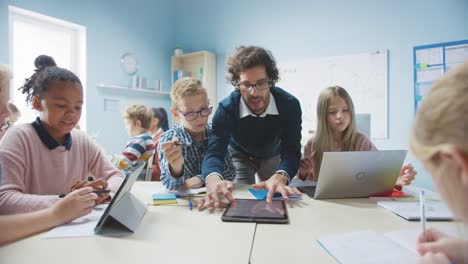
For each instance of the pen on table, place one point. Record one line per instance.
(190, 205)
(423, 215)
(94, 191)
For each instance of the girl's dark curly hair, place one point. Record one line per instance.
(46, 71)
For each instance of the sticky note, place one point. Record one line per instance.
(164, 196)
(422, 65)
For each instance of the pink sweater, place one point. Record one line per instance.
(33, 175)
(363, 143)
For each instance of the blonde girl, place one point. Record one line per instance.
(336, 131)
(439, 139)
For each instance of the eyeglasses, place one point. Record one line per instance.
(190, 116)
(260, 85)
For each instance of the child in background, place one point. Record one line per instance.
(336, 131)
(137, 120)
(15, 113)
(159, 125)
(45, 158)
(14, 116)
(439, 139)
(182, 148)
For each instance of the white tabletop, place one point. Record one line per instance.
(175, 234)
(311, 219)
(167, 234)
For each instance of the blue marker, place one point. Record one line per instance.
(190, 205)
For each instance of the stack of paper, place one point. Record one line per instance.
(166, 198)
(81, 227)
(409, 210)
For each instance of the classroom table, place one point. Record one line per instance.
(166, 234)
(311, 219)
(175, 234)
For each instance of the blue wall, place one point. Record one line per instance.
(290, 29)
(113, 28)
(300, 28)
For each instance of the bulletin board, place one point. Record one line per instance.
(432, 61)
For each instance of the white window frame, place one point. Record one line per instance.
(79, 44)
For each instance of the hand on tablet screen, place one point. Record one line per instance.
(277, 183)
(215, 190)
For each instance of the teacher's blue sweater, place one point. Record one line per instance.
(258, 137)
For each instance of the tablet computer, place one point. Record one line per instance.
(257, 211)
(124, 212)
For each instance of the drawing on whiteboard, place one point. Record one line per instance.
(364, 76)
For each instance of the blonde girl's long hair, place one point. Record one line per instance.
(323, 139)
(441, 124)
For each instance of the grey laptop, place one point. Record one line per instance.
(357, 174)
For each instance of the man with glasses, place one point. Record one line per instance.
(181, 149)
(259, 123)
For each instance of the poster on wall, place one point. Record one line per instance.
(432, 61)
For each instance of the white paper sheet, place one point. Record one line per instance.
(81, 227)
(362, 247)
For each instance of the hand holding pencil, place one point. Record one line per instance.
(437, 244)
(173, 154)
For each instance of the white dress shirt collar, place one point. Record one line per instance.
(270, 110)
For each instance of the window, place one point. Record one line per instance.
(33, 34)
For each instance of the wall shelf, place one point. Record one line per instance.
(202, 66)
(133, 90)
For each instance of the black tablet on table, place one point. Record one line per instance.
(257, 211)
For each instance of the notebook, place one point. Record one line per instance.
(366, 246)
(409, 210)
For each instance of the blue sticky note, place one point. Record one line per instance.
(164, 196)
(262, 195)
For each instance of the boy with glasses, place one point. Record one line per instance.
(259, 123)
(182, 148)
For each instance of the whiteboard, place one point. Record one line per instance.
(363, 75)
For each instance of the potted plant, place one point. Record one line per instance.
(178, 50)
